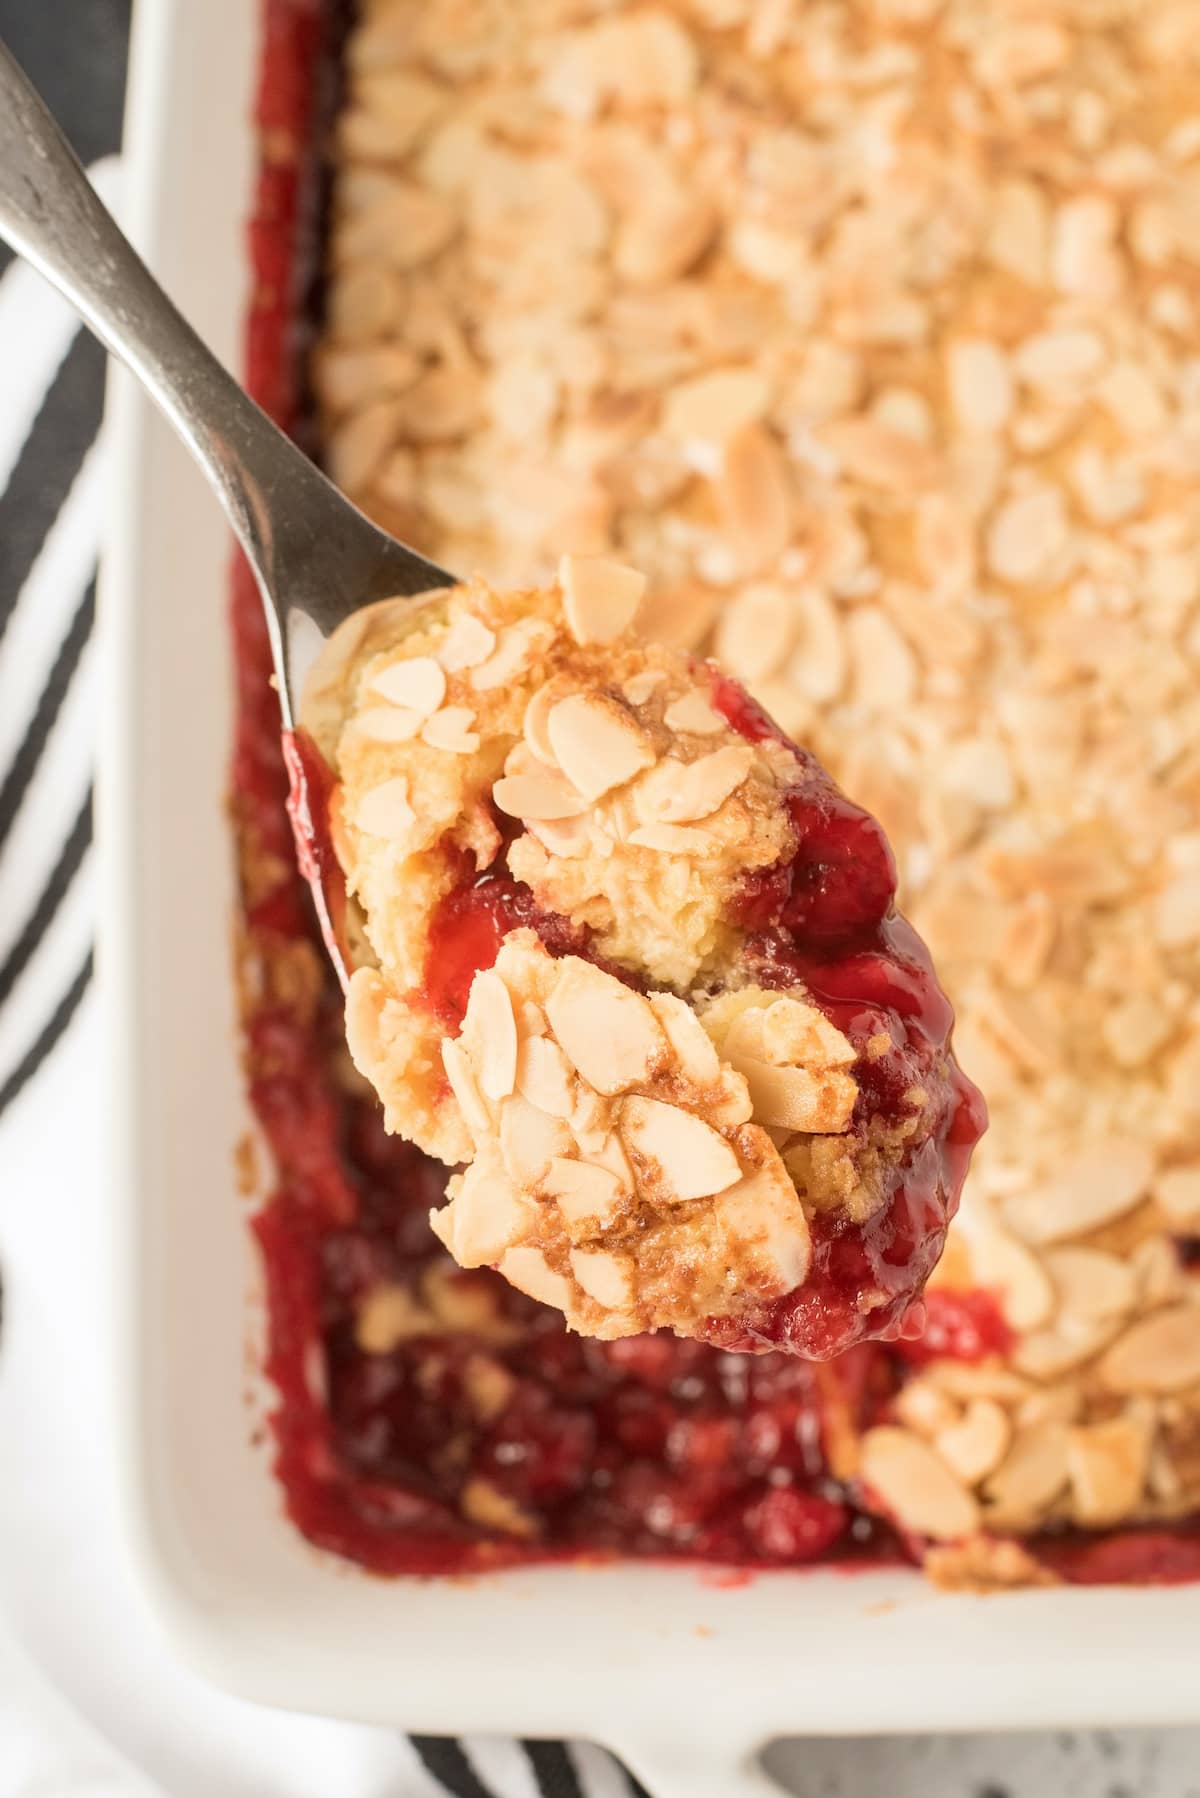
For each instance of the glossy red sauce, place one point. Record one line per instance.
(651, 1446)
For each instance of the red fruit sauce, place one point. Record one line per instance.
(649, 1446)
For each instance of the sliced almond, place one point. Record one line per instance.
(597, 745)
(584, 1193)
(384, 811)
(694, 715)
(604, 1277)
(685, 792)
(528, 1270)
(486, 1214)
(672, 839)
(450, 729)
(1031, 1475)
(760, 1216)
(796, 1034)
(1107, 1464)
(1160, 1353)
(386, 724)
(545, 1078)
(418, 684)
(461, 1076)
(797, 1098)
(916, 1486)
(639, 687)
(515, 649)
(692, 1160)
(608, 1032)
(467, 643)
(690, 1042)
(530, 1140)
(1102, 1183)
(754, 495)
(1177, 1190)
(715, 405)
(974, 1445)
(600, 598)
(534, 726)
(1050, 1353)
(490, 1016)
(539, 797)
(1003, 1263)
(1091, 1283)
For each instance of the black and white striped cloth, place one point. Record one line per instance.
(64, 1729)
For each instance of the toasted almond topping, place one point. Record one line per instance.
(693, 1160)
(1090, 1283)
(515, 649)
(693, 714)
(916, 1485)
(608, 1032)
(569, 838)
(490, 1015)
(387, 724)
(1160, 1353)
(418, 684)
(761, 1214)
(639, 687)
(1177, 1190)
(600, 598)
(462, 1084)
(487, 1214)
(797, 1099)
(384, 811)
(1050, 1353)
(980, 383)
(597, 745)
(1003, 1263)
(528, 1270)
(690, 1042)
(1033, 1472)
(1107, 1464)
(683, 793)
(606, 1278)
(796, 1033)
(544, 1076)
(539, 797)
(975, 1445)
(671, 839)
(450, 729)
(1101, 1184)
(713, 406)
(530, 1140)
(585, 1193)
(467, 643)
(534, 726)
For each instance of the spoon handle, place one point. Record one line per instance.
(314, 555)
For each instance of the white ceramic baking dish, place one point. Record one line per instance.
(685, 1679)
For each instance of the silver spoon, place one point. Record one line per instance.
(316, 558)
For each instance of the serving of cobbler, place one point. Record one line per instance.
(632, 959)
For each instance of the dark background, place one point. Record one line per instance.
(75, 52)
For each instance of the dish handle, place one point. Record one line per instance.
(698, 1767)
